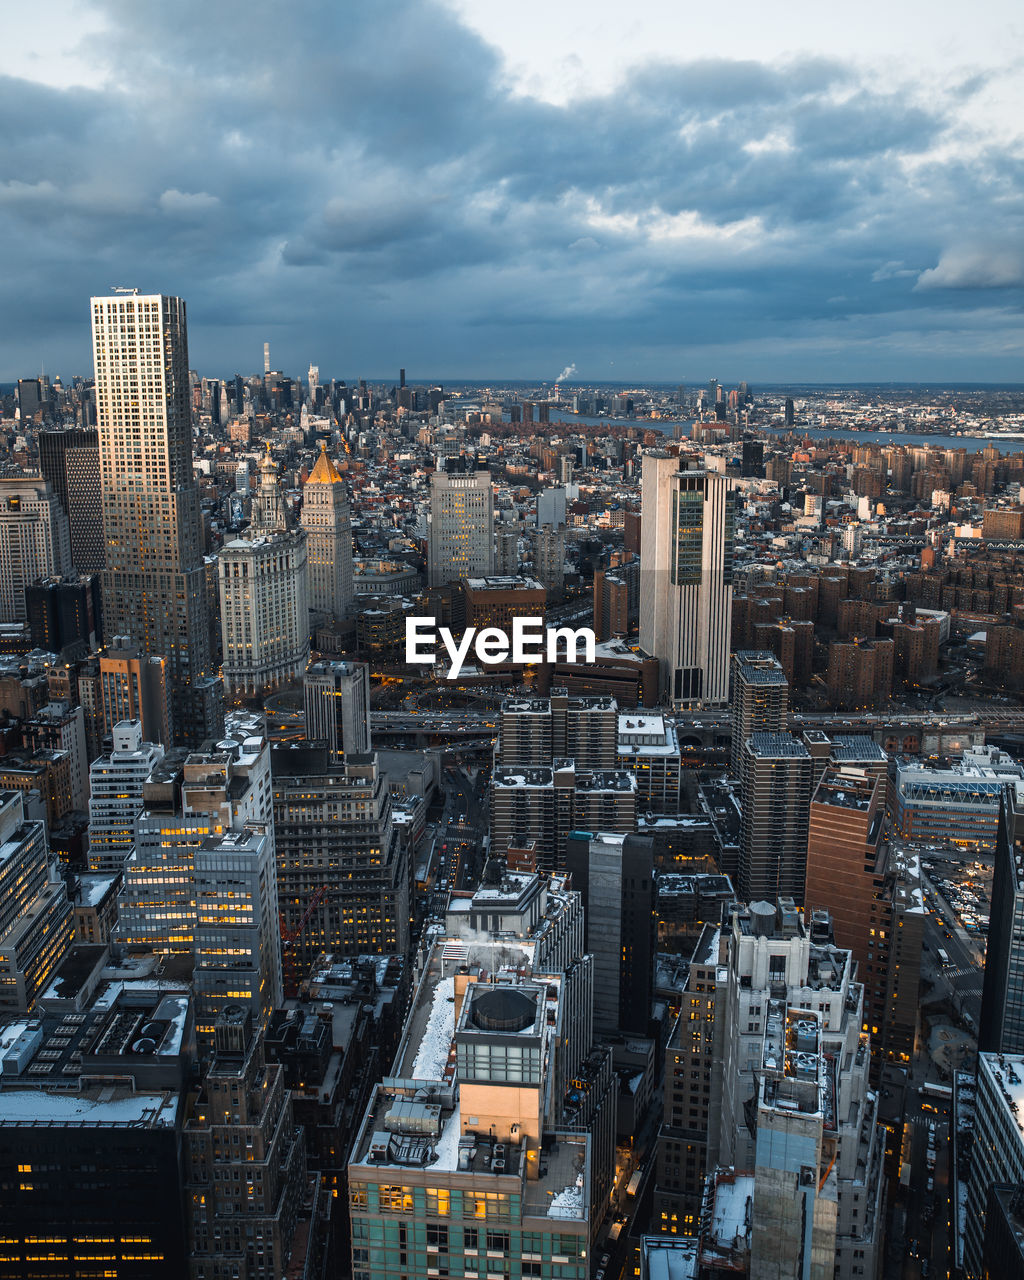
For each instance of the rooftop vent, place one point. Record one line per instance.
(503, 1009)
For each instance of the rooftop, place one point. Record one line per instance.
(669, 1259)
(776, 746)
(841, 792)
(105, 1107)
(856, 747)
(506, 583)
(1006, 1070)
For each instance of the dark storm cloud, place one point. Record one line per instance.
(362, 185)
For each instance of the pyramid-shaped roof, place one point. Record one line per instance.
(325, 472)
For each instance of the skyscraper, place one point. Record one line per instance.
(336, 696)
(344, 876)
(614, 875)
(461, 542)
(36, 920)
(776, 777)
(549, 559)
(1001, 1027)
(34, 541)
(779, 1100)
(686, 566)
(154, 584)
(134, 687)
(241, 1133)
(871, 891)
(500, 1173)
(264, 597)
(69, 460)
(237, 943)
(116, 784)
(326, 521)
(760, 699)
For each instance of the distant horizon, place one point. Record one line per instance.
(626, 385)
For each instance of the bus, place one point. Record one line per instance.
(943, 955)
(940, 1092)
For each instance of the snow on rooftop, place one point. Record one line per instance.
(446, 1152)
(511, 886)
(93, 888)
(733, 1201)
(108, 1107)
(432, 1055)
(1007, 1072)
(568, 1203)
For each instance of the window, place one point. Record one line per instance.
(438, 1202)
(395, 1199)
(497, 1241)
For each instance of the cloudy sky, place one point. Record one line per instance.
(649, 190)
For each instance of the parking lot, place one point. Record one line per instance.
(964, 880)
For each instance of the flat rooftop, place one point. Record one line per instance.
(776, 746)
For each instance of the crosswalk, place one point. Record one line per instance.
(966, 971)
(920, 1121)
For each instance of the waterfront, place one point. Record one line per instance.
(973, 444)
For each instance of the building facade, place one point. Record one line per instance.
(133, 686)
(686, 578)
(776, 783)
(343, 874)
(461, 527)
(336, 696)
(1001, 1027)
(36, 920)
(116, 783)
(264, 598)
(35, 541)
(328, 527)
(760, 700)
(154, 583)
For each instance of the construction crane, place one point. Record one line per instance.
(289, 937)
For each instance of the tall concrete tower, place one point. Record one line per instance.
(461, 543)
(686, 565)
(326, 520)
(154, 584)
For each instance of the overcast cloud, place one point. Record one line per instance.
(368, 186)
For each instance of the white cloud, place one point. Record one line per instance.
(975, 267)
(892, 271)
(16, 193)
(187, 204)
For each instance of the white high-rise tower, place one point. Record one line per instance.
(264, 597)
(461, 543)
(686, 563)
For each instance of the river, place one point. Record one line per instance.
(973, 444)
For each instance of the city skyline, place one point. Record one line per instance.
(798, 210)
